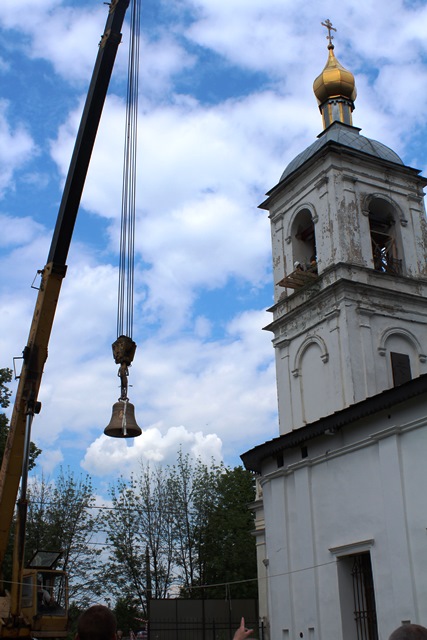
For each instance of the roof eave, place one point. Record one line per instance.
(254, 458)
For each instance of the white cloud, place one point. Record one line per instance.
(16, 147)
(16, 231)
(49, 461)
(209, 387)
(66, 36)
(107, 456)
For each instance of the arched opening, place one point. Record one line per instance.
(382, 226)
(304, 252)
(304, 240)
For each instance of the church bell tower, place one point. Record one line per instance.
(349, 258)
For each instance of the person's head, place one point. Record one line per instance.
(409, 632)
(96, 623)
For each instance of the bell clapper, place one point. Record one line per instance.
(123, 374)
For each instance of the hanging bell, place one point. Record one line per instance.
(123, 423)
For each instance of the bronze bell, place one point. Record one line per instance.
(123, 423)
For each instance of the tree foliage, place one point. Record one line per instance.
(178, 529)
(5, 393)
(62, 517)
(139, 532)
(228, 549)
(182, 529)
(127, 611)
(194, 491)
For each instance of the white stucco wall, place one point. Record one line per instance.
(362, 489)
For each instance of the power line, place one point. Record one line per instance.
(248, 580)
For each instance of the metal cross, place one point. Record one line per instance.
(328, 25)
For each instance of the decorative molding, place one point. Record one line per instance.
(365, 311)
(332, 314)
(399, 214)
(404, 333)
(416, 198)
(307, 207)
(324, 180)
(313, 339)
(352, 547)
(350, 178)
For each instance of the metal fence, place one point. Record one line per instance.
(209, 631)
(179, 619)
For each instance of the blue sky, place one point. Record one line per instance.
(226, 102)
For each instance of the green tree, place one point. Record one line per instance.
(194, 522)
(5, 393)
(193, 489)
(140, 550)
(228, 550)
(128, 615)
(62, 517)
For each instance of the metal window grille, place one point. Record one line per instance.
(364, 598)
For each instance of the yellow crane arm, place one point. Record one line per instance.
(35, 353)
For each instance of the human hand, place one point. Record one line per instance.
(242, 632)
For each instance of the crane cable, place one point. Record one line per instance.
(124, 347)
(127, 231)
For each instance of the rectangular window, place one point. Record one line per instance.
(400, 367)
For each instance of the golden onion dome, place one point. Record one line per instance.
(334, 81)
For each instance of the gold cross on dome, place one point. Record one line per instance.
(328, 25)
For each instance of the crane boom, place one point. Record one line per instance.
(36, 351)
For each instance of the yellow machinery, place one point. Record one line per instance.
(23, 612)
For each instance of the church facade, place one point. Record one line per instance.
(341, 514)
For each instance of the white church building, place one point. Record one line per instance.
(341, 511)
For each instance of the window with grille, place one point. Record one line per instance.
(383, 237)
(364, 597)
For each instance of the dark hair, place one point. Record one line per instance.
(96, 623)
(409, 632)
